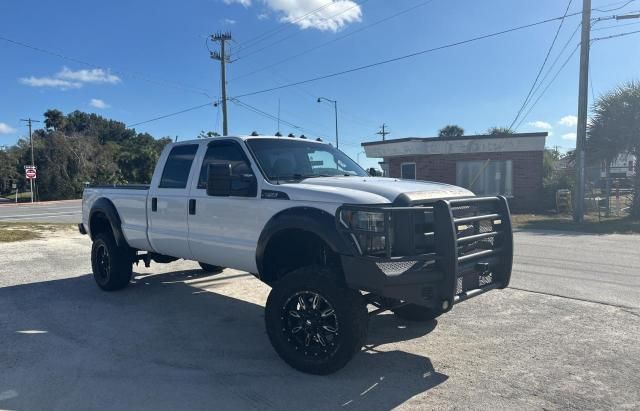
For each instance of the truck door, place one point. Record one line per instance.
(168, 203)
(222, 230)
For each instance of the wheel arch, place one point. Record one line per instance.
(295, 228)
(104, 217)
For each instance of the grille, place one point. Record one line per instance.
(395, 268)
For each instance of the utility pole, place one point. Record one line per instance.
(29, 121)
(583, 95)
(383, 131)
(222, 38)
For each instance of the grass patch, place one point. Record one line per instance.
(10, 232)
(611, 225)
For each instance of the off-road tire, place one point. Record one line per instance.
(208, 268)
(111, 265)
(349, 320)
(413, 312)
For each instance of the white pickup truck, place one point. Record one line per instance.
(305, 219)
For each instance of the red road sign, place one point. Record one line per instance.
(30, 173)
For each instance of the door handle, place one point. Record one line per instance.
(192, 206)
(154, 204)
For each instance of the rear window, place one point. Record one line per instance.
(176, 169)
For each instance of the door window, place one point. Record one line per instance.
(225, 152)
(178, 165)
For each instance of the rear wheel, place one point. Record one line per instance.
(413, 312)
(210, 268)
(314, 324)
(111, 264)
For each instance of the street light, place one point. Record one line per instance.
(335, 107)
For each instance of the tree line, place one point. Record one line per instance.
(77, 149)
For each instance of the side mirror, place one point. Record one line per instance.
(221, 183)
(219, 180)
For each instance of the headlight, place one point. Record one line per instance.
(371, 239)
(363, 220)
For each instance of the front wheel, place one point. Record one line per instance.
(313, 323)
(111, 264)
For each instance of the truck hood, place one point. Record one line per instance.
(370, 190)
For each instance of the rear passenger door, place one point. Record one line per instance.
(167, 205)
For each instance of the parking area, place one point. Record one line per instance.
(564, 336)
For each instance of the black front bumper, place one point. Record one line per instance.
(470, 252)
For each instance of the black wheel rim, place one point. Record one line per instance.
(310, 324)
(103, 265)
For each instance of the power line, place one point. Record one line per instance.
(171, 114)
(349, 34)
(548, 85)
(298, 32)
(613, 36)
(544, 62)
(271, 116)
(616, 8)
(407, 56)
(96, 66)
(615, 26)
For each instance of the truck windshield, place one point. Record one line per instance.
(285, 159)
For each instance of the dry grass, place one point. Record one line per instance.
(10, 232)
(611, 225)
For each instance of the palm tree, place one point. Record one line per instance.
(54, 119)
(451, 130)
(498, 131)
(614, 128)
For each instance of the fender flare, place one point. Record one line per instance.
(313, 220)
(105, 206)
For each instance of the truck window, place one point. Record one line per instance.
(176, 169)
(220, 152)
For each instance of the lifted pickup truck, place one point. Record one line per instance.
(308, 221)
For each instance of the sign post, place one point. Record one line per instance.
(31, 174)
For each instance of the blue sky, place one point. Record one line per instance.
(153, 60)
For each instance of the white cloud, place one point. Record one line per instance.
(88, 76)
(263, 16)
(67, 79)
(49, 82)
(229, 21)
(245, 3)
(97, 103)
(569, 121)
(569, 136)
(316, 14)
(6, 129)
(542, 125)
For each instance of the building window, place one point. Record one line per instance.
(408, 171)
(489, 177)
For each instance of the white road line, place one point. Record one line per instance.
(40, 215)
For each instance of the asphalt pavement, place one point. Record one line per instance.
(69, 211)
(564, 336)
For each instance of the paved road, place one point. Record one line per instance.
(599, 268)
(46, 212)
(177, 339)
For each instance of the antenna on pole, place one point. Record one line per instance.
(383, 131)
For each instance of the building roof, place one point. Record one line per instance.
(465, 137)
(412, 146)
